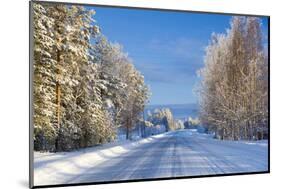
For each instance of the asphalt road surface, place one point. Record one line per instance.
(180, 153)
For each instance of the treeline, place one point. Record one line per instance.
(234, 87)
(192, 122)
(163, 117)
(84, 87)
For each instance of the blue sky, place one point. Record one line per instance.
(166, 47)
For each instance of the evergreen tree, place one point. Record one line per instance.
(83, 84)
(43, 80)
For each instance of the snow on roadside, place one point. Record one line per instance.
(58, 168)
(222, 147)
(194, 132)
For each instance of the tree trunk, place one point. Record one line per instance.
(58, 98)
(58, 92)
(127, 129)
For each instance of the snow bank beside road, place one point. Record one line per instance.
(58, 168)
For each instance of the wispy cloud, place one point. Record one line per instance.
(171, 61)
(182, 47)
(174, 72)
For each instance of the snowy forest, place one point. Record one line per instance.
(86, 88)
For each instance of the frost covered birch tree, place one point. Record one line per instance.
(136, 97)
(234, 92)
(124, 86)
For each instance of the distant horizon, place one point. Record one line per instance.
(191, 103)
(179, 111)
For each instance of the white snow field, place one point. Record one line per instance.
(172, 154)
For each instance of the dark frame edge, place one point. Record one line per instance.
(268, 52)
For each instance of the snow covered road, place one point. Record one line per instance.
(178, 153)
